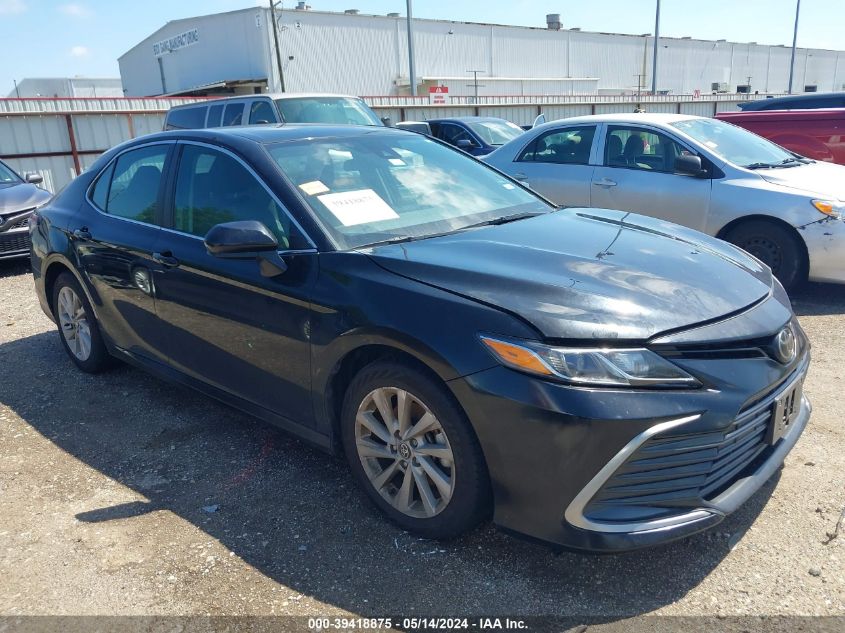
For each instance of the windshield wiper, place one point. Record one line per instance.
(786, 162)
(505, 219)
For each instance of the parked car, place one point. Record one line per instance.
(476, 135)
(19, 197)
(593, 378)
(271, 108)
(705, 174)
(808, 101)
(816, 134)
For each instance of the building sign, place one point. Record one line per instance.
(176, 42)
(438, 95)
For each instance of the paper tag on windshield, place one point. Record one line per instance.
(358, 207)
(313, 188)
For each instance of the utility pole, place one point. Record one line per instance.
(18, 92)
(475, 83)
(412, 75)
(654, 55)
(794, 42)
(273, 4)
(640, 80)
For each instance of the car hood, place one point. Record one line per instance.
(588, 273)
(818, 179)
(21, 196)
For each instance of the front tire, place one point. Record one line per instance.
(775, 246)
(78, 328)
(412, 451)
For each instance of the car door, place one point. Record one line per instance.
(637, 174)
(227, 324)
(114, 237)
(556, 164)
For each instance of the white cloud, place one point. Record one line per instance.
(75, 10)
(12, 6)
(80, 51)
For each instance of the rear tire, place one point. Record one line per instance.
(422, 467)
(775, 246)
(78, 328)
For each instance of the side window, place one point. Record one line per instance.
(638, 148)
(100, 192)
(234, 114)
(212, 187)
(570, 146)
(134, 184)
(261, 112)
(186, 118)
(215, 113)
(452, 133)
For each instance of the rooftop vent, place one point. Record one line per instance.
(686, 37)
(575, 28)
(301, 6)
(553, 21)
(393, 15)
(351, 12)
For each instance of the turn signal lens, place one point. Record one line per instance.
(517, 356)
(828, 207)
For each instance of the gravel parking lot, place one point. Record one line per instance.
(123, 494)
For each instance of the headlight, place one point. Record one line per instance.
(832, 208)
(607, 367)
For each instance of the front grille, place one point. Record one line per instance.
(20, 224)
(13, 242)
(680, 471)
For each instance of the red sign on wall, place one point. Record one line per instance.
(438, 95)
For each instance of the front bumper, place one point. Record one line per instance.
(825, 241)
(14, 235)
(556, 454)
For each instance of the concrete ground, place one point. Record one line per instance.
(123, 494)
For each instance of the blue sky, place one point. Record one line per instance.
(54, 38)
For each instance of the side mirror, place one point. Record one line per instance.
(246, 237)
(464, 144)
(689, 166)
(386, 121)
(34, 179)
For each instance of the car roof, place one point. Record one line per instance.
(270, 95)
(273, 133)
(464, 119)
(622, 117)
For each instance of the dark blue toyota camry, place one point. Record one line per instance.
(589, 378)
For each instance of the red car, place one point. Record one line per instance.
(817, 134)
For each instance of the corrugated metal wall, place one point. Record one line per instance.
(361, 54)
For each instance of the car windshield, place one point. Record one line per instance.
(736, 145)
(495, 132)
(7, 176)
(383, 187)
(337, 110)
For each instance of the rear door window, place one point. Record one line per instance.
(233, 114)
(570, 146)
(186, 118)
(130, 189)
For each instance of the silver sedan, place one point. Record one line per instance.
(785, 209)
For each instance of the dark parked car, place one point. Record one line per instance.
(476, 135)
(19, 197)
(592, 378)
(808, 101)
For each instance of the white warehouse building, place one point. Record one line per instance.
(367, 55)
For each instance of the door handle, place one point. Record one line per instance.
(166, 259)
(82, 233)
(605, 182)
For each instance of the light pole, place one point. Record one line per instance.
(794, 42)
(412, 75)
(654, 55)
(273, 4)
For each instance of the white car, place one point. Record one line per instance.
(709, 175)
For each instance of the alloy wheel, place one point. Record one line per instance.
(405, 452)
(73, 323)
